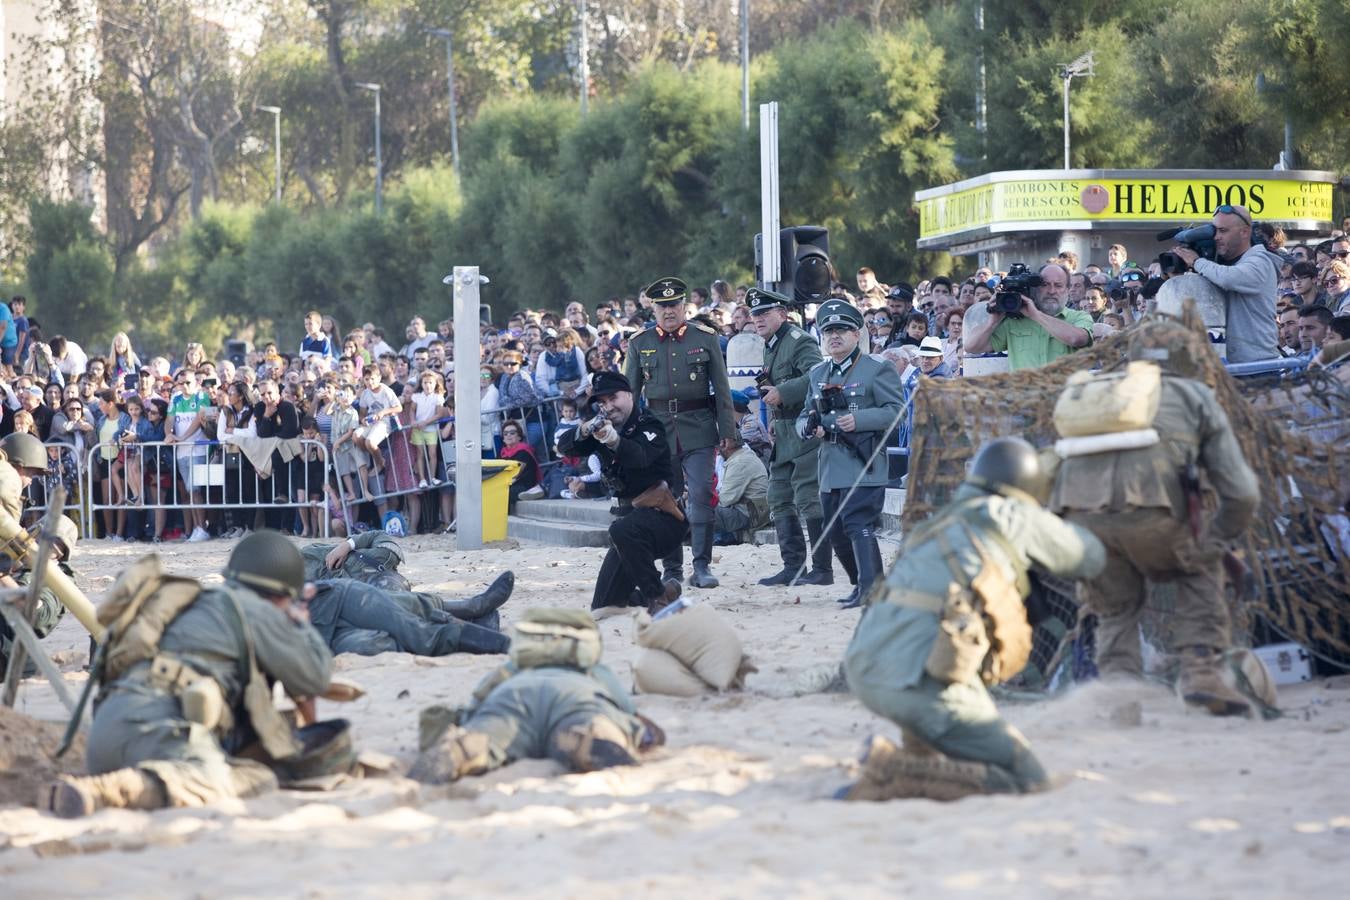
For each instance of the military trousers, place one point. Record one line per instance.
(794, 487)
(1152, 545)
(637, 540)
(524, 717)
(373, 622)
(860, 516)
(136, 726)
(694, 471)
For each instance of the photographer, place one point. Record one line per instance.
(634, 454)
(1248, 284)
(1034, 332)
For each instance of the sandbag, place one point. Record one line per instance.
(1108, 402)
(555, 637)
(701, 639)
(659, 672)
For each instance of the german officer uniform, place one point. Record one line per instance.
(640, 460)
(682, 375)
(794, 491)
(869, 390)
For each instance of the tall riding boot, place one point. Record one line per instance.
(822, 570)
(790, 547)
(477, 639)
(477, 607)
(72, 796)
(843, 549)
(701, 538)
(672, 564)
(868, 554)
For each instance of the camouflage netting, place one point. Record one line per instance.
(1293, 428)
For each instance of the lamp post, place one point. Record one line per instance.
(1079, 68)
(446, 35)
(583, 56)
(745, 64)
(276, 142)
(379, 161)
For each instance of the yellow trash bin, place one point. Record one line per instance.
(497, 477)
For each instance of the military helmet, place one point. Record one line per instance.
(1009, 464)
(24, 451)
(1176, 348)
(266, 561)
(326, 749)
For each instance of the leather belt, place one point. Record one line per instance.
(679, 406)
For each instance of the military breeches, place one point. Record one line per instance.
(794, 487)
(1150, 545)
(527, 716)
(637, 539)
(375, 611)
(694, 470)
(960, 721)
(140, 728)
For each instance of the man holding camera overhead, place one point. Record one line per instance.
(852, 402)
(1032, 331)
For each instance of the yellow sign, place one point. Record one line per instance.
(1042, 201)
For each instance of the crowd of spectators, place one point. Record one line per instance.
(348, 428)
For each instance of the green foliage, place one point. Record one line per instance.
(70, 272)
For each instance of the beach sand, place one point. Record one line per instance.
(1153, 800)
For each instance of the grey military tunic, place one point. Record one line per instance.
(871, 388)
(789, 356)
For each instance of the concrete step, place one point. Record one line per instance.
(556, 534)
(578, 512)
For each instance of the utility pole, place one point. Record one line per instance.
(1079, 68)
(584, 56)
(276, 143)
(446, 35)
(379, 159)
(981, 107)
(745, 64)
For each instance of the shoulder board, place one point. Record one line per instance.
(704, 328)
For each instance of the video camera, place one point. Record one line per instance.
(1200, 239)
(1015, 285)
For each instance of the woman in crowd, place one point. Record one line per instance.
(330, 330)
(52, 396)
(951, 324)
(108, 464)
(516, 393)
(560, 368)
(122, 360)
(193, 355)
(514, 447)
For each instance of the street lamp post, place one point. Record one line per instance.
(1079, 68)
(745, 64)
(379, 161)
(583, 55)
(446, 35)
(276, 143)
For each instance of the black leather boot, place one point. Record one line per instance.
(790, 547)
(701, 537)
(868, 555)
(822, 571)
(477, 607)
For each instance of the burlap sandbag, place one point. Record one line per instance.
(658, 672)
(701, 639)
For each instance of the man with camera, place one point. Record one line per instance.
(852, 402)
(1033, 332)
(1247, 273)
(794, 492)
(635, 458)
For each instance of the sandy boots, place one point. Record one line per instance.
(890, 773)
(73, 796)
(1211, 681)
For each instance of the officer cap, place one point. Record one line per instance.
(901, 291)
(1006, 465)
(834, 313)
(607, 383)
(24, 451)
(762, 301)
(267, 562)
(667, 290)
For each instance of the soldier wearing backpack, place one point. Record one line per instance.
(185, 676)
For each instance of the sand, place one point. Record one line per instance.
(1153, 801)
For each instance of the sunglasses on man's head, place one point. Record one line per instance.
(1232, 210)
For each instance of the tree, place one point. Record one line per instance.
(70, 272)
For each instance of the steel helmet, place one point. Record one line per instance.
(267, 562)
(24, 451)
(1009, 464)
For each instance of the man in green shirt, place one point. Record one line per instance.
(1045, 330)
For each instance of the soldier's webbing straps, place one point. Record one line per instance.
(274, 733)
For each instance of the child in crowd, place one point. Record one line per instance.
(349, 458)
(308, 478)
(428, 406)
(378, 404)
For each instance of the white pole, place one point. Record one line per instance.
(584, 55)
(771, 253)
(1067, 78)
(745, 64)
(468, 427)
(276, 142)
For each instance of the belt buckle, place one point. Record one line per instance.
(672, 406)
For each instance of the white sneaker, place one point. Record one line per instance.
(534, 493)
(436, 482)
(198, 535)
(422, 485)
(116, 539)
(568, 495)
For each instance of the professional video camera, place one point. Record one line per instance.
(1015, 285)
(1200, 239)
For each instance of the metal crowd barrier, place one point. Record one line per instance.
(64, 469)
(218, 472)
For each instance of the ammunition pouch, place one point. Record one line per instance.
(201, 696)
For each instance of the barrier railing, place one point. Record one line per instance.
(163, 477)
(63, 467)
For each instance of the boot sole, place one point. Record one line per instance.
(1217, 706)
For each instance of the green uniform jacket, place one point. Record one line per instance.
(789, 356)
(872, 389)
(684, 368)
(893, 640)
(1193, 429)
(374, 549)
